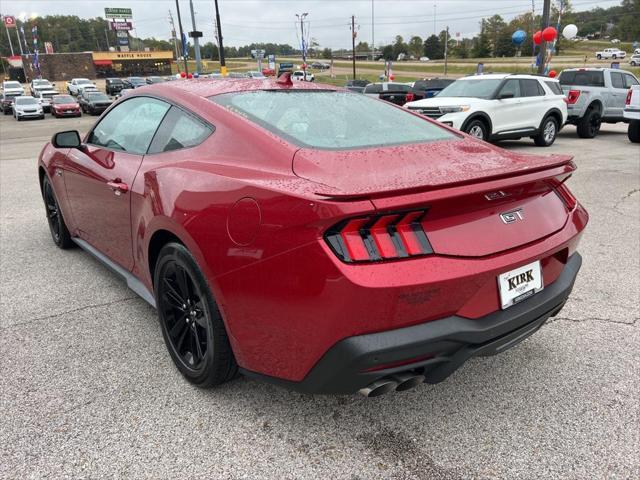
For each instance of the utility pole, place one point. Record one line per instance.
(19, 41)
(353, 44)
(106, 36)
(195, 34)
(446, 49)
(184, 47)
(223, 66)
(303, 44)
(434, 18)
(173, 34)
(546, 10)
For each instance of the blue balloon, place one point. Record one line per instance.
(518, 37)
(196, 75)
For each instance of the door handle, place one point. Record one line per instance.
(118, 187)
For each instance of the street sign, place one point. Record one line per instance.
(122, 34)
(195, 34)
(258, 53)
(121, 26)
(118, 13)
(10, 21)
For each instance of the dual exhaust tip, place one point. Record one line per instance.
(398, 382)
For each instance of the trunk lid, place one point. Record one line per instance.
(480, 200)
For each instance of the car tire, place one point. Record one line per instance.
(477, 129)
(615, 56)
(191, 324)
(589, 125)
(633, 131)
(57, 226)
(548, 132)
(599, 57)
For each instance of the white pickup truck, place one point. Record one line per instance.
(613, 53)
(78, 85)
(631, 112)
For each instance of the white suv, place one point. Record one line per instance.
(500, 107)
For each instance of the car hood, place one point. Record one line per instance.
(27, 107)
(440, 101)
(414, 167)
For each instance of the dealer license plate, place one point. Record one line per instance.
(520, 284)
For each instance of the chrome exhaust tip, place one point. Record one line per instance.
(379, 387)
(407, 381)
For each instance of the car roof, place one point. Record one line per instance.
(207, 87)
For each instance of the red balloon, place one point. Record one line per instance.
(537, 37)
(191, 75)
(392, 77)
(553, 74)
(183, 75)
(549, 34)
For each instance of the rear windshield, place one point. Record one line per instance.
(373, 88)
(428, 84)
(63, 99)
(332, 119)
(477, 88)
(585, 78)
(98, 96)
(12, 85)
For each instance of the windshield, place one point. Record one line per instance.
(38, 83)
(63, 99)
(48, 94)
(477, 88)
(11, 95)
(12, 85)
(82, 81)
(331, 119)
(98, 97)
(26, 101)
(115, 81)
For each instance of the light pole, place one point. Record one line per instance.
(195, 34)
(184, 47)
(302, 43)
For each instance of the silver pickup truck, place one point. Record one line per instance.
(595, 95)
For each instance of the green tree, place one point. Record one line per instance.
(326, 53)
(433, 48)
(399, 47)
(416, 46)
(481, 48)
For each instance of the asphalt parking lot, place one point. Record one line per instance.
(87, 388)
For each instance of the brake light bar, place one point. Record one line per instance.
(410, 97)
(629, 95)
(573, 96)
(379, 237)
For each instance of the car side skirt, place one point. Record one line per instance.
(132, 282)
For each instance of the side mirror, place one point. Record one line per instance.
(68, 139)
(504, 95)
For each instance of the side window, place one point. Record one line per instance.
(179, 130)
(616, 80)
(629, 80)
(555, 87)
(530, 88)
(511, 86)
(130, 126)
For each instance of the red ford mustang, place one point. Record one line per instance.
(312, 237)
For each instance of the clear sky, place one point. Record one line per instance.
(247, 21)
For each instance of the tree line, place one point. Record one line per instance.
(70, 33)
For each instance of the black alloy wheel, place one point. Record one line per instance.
(191, 324)
(57, 226)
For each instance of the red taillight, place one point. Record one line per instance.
(379, 237)
(573, 96)
(629, 95)
(410, 97)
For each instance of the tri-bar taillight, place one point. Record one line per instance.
(379, 237)
(573, 96)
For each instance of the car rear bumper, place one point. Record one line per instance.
(434, 349)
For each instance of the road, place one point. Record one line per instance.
(87, 388)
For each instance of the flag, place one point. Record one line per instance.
(185, 49)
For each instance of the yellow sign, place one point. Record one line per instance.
(164, 55)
